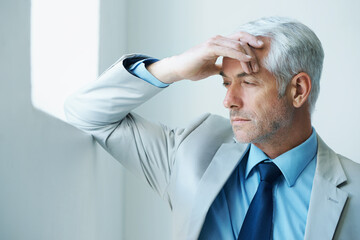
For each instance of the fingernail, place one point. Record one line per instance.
(260, 42)
(248, 56)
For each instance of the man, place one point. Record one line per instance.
(212, 173)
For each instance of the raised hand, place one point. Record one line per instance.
(199, 62)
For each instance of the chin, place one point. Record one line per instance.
(244, 138)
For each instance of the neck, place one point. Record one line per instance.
(287, 138)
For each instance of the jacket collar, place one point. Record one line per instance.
(327, 199)
(326, 203)
(223, 164)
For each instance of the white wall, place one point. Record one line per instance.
(55, 183)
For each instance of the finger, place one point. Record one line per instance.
(252, 40)
(217, 68)
(253, 64)
(222, 46)
(228, 42)
(246, 67)
(224, 51)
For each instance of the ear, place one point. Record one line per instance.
(300, 89)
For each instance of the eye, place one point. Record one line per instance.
(249, 83)
(226, 84)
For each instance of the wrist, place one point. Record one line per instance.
(163, 70)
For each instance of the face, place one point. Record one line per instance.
(257, 114)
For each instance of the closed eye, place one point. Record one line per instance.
(226, 84)
(249, 82)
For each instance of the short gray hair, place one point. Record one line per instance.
(294, 48)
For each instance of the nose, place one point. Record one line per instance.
(233, 97)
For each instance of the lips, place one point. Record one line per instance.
(239, 120)
(240, 117)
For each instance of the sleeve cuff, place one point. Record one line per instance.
(139, 70)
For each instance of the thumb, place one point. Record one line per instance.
(214, 69)
(217, 68)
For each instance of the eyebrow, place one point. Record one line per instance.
(243, 74)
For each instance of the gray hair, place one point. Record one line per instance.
(294, 48)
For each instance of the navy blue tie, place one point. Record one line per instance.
(258, 220)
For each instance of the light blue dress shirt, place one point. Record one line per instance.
(291, 194)
(291, 191)
(139, 70)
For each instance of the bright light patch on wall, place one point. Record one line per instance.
(64, 50)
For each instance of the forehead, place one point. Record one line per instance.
(229, 64)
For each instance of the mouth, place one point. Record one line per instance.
(238, 120)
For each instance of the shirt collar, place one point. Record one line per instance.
(255, 156)
(290, 163)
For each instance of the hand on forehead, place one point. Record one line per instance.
(255, 46)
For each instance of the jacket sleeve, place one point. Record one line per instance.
(103, 109)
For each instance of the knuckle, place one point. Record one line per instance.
(209, 43)
(241, 56)
(245, 34)
(240, 46)
(240, 34)
(214, 39)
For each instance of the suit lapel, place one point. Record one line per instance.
(222, 165)
(327, 200)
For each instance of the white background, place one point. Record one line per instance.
(55, 183)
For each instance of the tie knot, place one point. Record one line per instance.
(269, 172)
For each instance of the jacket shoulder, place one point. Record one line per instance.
(207, 128)
(352, 171)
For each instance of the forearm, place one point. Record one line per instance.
(102, 109)
(164, 70)
(108, 99)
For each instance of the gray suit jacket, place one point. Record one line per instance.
(188, 166)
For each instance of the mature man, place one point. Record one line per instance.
(267, 175)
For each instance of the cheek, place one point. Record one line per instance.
(261, 101)
(264, 105)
